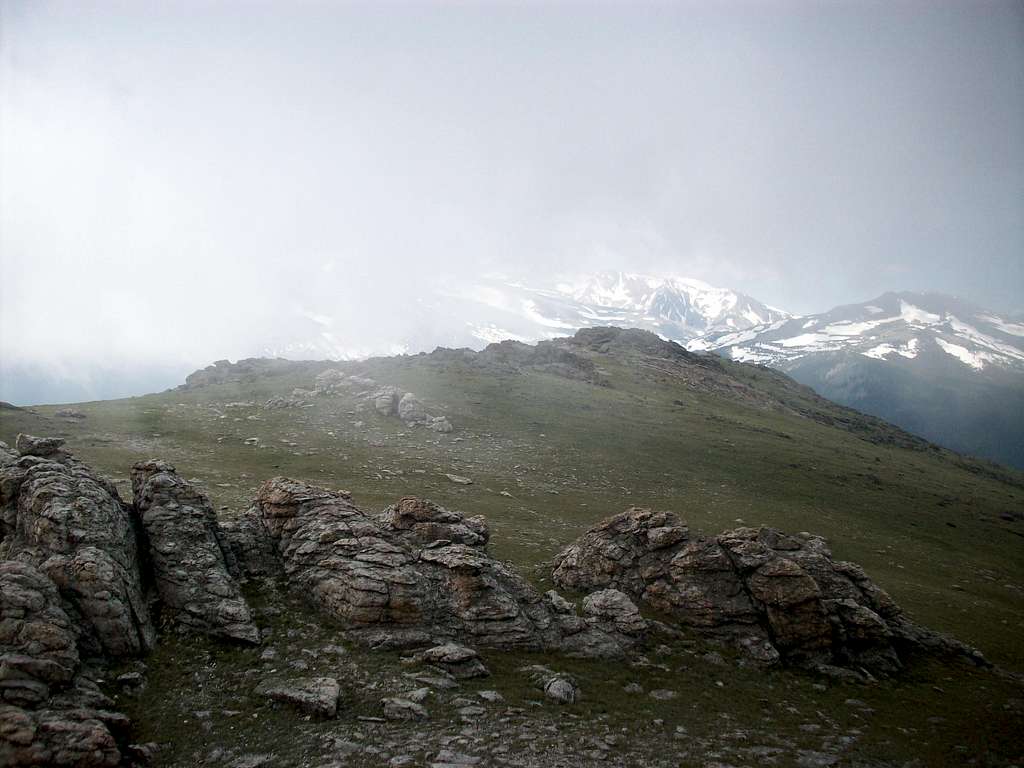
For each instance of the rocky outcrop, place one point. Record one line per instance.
(73, 596)
(418, 573)
(393, 585)
(776, 595)
(72, 525)
(188, 555)
(421, 522)
(50, 713)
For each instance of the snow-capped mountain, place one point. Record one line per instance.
(676, 308)
(933, 364)
(893, 326)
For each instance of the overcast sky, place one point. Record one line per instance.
(181, 181)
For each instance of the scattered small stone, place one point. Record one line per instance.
(403, 709)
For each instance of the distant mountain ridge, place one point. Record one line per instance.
(893, 325)
(935, 365)
(675, 308)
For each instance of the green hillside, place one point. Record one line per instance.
(559, 437)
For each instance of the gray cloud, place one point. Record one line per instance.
(195, 181)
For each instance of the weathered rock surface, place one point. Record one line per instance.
(330, 382)
(557, 686)
(393, 583)
(440, 424)
(292, 401)
(188, 554)
(460, 662)
(403, 709)
(314, 695)
(776, 595)
(421, 522)
(411, 409)
(73, 526)
(385, 400)
(50, 715)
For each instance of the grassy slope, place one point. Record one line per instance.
(943, 537)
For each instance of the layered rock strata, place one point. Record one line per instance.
(776, 595)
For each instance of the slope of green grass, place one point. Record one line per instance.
(944, 536)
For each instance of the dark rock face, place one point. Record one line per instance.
(421, 522)
(72, 558)
(73, 526)
(393, 583)
(187, 554)
(50, 715)
(417, 574)
(776, 595)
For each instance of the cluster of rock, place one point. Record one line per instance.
(387, 400)
(86, 577)
(286, 401)
(334, 381)
(75, 564)
(391, 401)
(250, 369)
(416, 574)
(777, 596)
(69, 413)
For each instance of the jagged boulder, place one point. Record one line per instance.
(421, 522)
(72, 525)
(188, 555)
(776, 595)
(440, 424)
(50, 714)
(38, 651)
(393, 586)
(412, 410)
(385, 400)
(460, 662)
(330, 382)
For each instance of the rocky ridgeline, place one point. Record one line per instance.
(776, 596)
(86, 577)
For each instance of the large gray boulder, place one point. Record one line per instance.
(314, 695)
(395, 585)
(50, 714)
(385, 400)
(412, 410)
(188, 555)
(71, 524)
(776, 595)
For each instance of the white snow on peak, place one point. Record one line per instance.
(912, 314)
(531, 312)
(964, 355)
(873, 309)
(908, 350)
(972, 334)
(1014, 329)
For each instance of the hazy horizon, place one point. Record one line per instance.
(184, 184)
